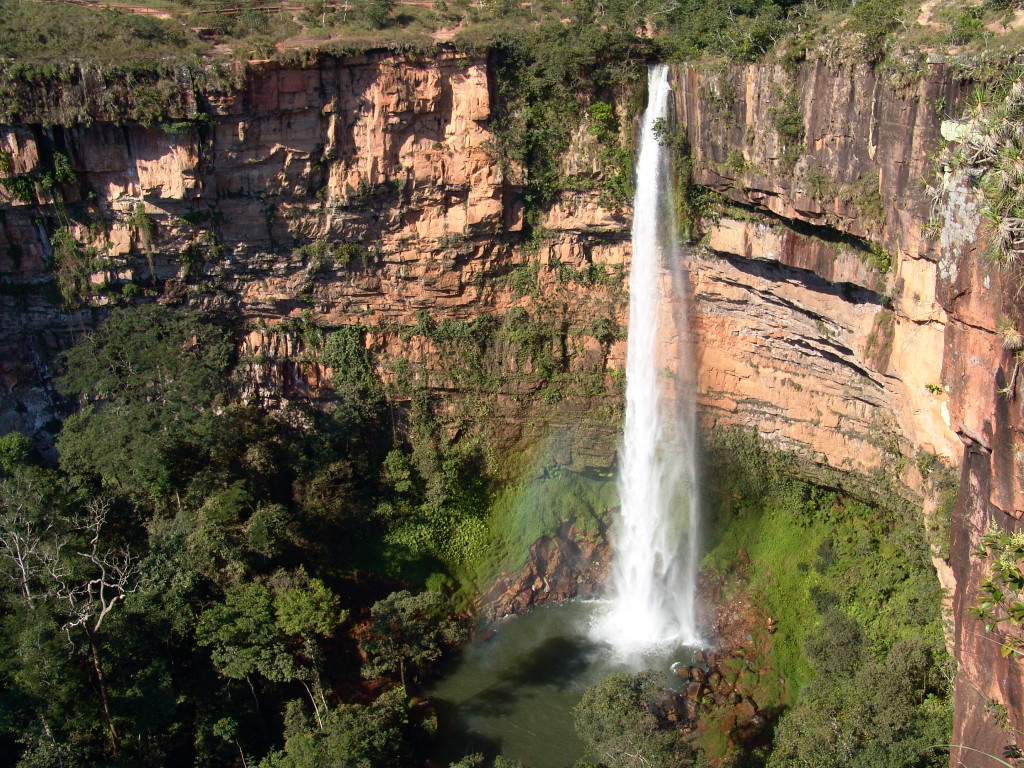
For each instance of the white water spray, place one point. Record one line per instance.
(654, 576)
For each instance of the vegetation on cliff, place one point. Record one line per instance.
(988, 154)
(835, 653)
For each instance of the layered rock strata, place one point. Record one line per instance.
(849, 316)
(349, 191)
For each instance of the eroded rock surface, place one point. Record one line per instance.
(350, 191)
(805, 340)
(567, 565)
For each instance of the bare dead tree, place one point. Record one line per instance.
(28, 542)
(111, 576)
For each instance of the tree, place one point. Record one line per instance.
(65, 565)
(111, 575)
(251, 632)
(14, 450)
(353, 378)
(352, 736)
(408, 630)
(307, 609)
(27, 531)
(146, 378)
(617, 719)
(246, 640)
(376, 13)
(864, 710)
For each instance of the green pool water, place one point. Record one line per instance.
(514, 693)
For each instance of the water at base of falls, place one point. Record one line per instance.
(514, 694)
(655, 541)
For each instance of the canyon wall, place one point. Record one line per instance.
(355, 191)
(838, 326)
(839, 312)
(850, 315)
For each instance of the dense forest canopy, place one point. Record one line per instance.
(186, 584)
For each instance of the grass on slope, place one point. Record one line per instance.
(809, 550)
(36, 30)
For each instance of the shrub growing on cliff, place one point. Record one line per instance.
(545, 77)
(360, 395)
(991, 156)
(70, 266)
(788, 121)
(1011, 338)
(1001, 597)
(876, 20)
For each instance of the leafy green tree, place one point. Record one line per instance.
(70, 574)
(865, 711)
(836, 648)
(244, 636)
(14, 450)
(875, 19)
(376, 13)
(227, 729)
(308, 610)
(351, 736)
(408, 631)
(617, 719)
(146, 378)
(251, 632)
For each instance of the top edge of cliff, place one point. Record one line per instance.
(154, 61)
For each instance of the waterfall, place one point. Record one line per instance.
(654, 566)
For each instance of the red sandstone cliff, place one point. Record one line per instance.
(806, 341)
(242, 198)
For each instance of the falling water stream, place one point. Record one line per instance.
(655, 545)
(514, 694)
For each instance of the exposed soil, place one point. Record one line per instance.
(570, 564)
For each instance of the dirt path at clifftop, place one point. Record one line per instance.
(139, 10)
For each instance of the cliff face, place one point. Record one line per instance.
(830, 316)
(846, 316)
(353, 191)
(835, 357)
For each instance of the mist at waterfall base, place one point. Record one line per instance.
(514, 694)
